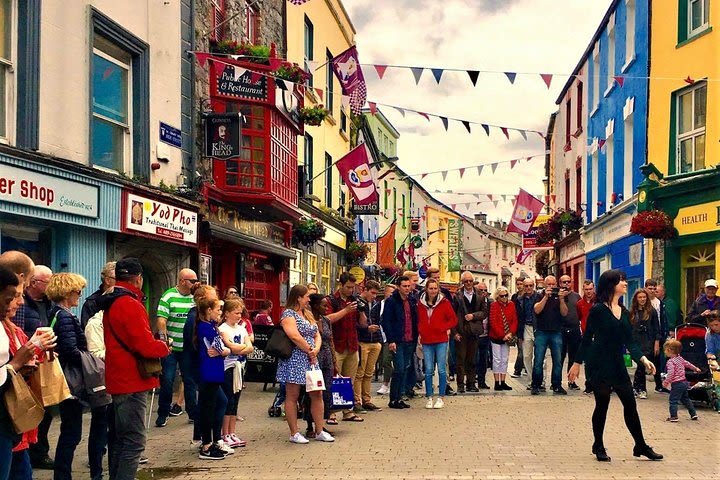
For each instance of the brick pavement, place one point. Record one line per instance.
(508, 435)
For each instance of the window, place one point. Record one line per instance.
(628, 158)
(343, 121)
(578, 186)
(309, 46)
(594, 186)
(111, 109)
(698, 16)
(609, 171)
(217, 19)
(248, 170)
(251, 23)
(568, 123)
(404, 212)
(596, 80)
(328, 180)
(567, 190)
(497, 249)
(691, 109)
(610, 58)
(504, 252)
(325, 276)
(6, 64)
(579, 106)
(342, 196)
(308, 153)
(296, 268)
(385, 194)
(394, 204)
(629, 31)
(330, 83)
(312, 268)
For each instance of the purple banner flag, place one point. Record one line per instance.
(346, 67)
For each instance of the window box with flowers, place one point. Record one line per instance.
(356, 252)
(314, 115)
(653, 224)
(248, 52)
(292, 73)
(308, 230)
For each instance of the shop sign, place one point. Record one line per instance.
(358, 273)
(237, 83)
(455, 229)
(335, 237)
(371, 258)
(159, 219)
(698, 218)
(230, 218)
(35, 189)
(205, 270)
(529, 239)
(170, 135)
(607, 233)
(223, 135)
(288, 103)
(372, 208)
(571, 251)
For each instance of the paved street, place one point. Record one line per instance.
(486, 436)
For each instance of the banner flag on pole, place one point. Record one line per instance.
(526, 210)
(522, 256)
(386, 247)
(346, 67)
(358, 176)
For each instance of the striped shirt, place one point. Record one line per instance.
(174, 308)
(676, 369)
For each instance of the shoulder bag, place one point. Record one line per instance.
(513, 339)
(279, 345)
(147, 367)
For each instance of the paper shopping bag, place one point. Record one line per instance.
(314, 380)
(48, 381)
(24, 409)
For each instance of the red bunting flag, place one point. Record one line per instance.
(505, 131)
(423, 176)
(547, 78)
(373, 107)
(201, 58)
(424, 115)
(490, 197)
(601, 143)
(512, 163)
(320, 93)
(553, 197)
(689, 80)
(528, 158)
(462, 172)
(620, 80)
(380, 69)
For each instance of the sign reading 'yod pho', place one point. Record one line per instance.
(223, 135)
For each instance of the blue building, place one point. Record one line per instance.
(617, 95)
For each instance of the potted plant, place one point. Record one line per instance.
(356, 252)
(653, 224)
(571, 220)
(292, 73)
(548, 232)
(250, 53)
(314, 115)
(308, 230)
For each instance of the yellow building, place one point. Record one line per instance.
(683, 147)
(440, 223)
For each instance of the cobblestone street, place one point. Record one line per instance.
(509, 435)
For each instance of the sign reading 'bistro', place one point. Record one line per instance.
(159, 219)
(34, 189)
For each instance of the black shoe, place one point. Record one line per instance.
(473, 388)
(403, 404)
(601, 454)
(45, 463)
(535, 391)
(395, 405)
(497, 387)
(662, 390)
(143, 460)
(411, 394)
(212, 453)
(573, 386)
(505, 386)
(484, 386)
(543, 388)
(461, 389)
(176, 410)
(449, 391)
(559, 391)
(161, 422)
(646, 451)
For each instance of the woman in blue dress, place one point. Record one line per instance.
(301, 329)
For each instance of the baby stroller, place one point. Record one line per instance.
(692, 337)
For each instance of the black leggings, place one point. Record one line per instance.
(625, 393)
(207, 402)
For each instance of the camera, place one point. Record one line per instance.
(555, 292)
(361, 303)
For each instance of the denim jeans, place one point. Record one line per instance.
(543, 340)
(97, 441)
(167, 379)
(402, 360)
(21, 468)
(483, 359)
(435, 353)
(126, 434)
(70, 433)
(6, 455)
(679, 394)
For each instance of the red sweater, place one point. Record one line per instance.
(434, 322)
(130, 322)
(583, 310)
(497, 328)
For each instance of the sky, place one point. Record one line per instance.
(534, 36)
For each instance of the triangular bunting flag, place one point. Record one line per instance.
(311, 65)
(437, 73)
(486, 128)
(423, 176)
(490, 197)
(547, 199)
(553, 197)
(476, 195)
(462, 172)
(254, 77)
(547, 78)
(280, 84)
(541, 135)
(620, 80)
(511, 76)
(345, 101)
(448, 191)
(512, 163)
(453, 206)
(689, 80)
(417, 73)
(201, 58)
(479, 168)
(373, 107)
(494, 167)
(400, 110)
(320, 93)
(380, 69)
(601, 143)
(504, 198)
(444, 175)
(427, 117)
(495, 203)
(524, 134)
(505, 132)
(529, 158)
(466, 124)
(473, 76)
(444, 121)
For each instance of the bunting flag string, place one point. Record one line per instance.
(493, 166)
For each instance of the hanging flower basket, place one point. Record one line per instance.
(549, 232)
(314, 115)
(357, 252)
(571, 220)
(653, 224)
(292, 73)
(308, 230)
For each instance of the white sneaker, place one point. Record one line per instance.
(225, 447)
(383, 390)
(439, 403)
(429, 403)
(324, 437)
(642, 394)
(298, 438)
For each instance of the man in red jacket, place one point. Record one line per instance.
(127, 337)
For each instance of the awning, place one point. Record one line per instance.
(506, 272)
(233, 236)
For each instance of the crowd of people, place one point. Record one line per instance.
(405, 333)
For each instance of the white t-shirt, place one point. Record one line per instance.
(4, 354)
(238, 333)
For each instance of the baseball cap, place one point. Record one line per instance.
(128, 267)
(711, 282)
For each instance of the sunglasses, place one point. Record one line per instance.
(503, 295)
(468, 281)
(566, 281)
(482, 289)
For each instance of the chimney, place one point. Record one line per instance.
(480, 218)
(497, 224)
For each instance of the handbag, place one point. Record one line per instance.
(25, 410)
(314, 381)
(513, 339)
(147, 367)
(341, 393)
(279, 345)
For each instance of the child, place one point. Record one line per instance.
(675, 380)
(712, 341)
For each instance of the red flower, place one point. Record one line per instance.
(653, 224)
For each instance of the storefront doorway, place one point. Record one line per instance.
(698, 264)
(34, 242)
